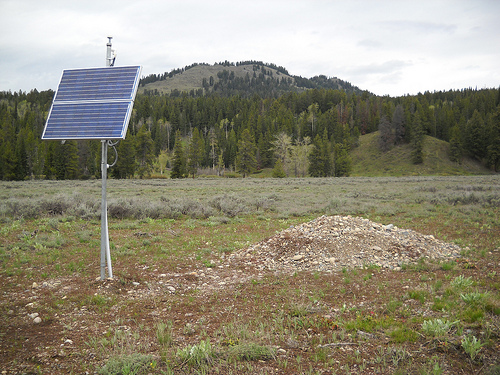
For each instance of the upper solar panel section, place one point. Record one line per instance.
(93, 103)
(97, 84)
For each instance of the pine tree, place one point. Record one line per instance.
(475, 141)
(126, 163)
(456, 152)
(316, 159)
(398, 124)
(246, 161)
(493, 150)
(195, 153)
(326, 153)
(144, 151)
(8, 157)
(179, 162)
(71, 160)
(342, 160)
(386, 135)
(49, 169)
(417, 140)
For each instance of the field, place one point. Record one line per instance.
(189, 297)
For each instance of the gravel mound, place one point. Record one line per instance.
(337, 242)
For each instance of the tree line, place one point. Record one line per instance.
(307, 133)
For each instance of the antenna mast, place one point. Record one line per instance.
(110, 54)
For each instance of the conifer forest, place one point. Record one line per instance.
(308, 132)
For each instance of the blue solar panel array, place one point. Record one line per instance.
(93, 103)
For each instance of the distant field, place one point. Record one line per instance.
(282, 197)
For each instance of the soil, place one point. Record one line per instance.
(356, 267)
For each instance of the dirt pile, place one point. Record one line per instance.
(331, 243)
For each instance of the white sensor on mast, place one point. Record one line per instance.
(110, 54)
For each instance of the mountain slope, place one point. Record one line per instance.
(244, 79)
(368, 160)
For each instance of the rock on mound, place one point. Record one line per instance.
(336, 242)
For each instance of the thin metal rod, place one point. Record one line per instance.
(105, 253)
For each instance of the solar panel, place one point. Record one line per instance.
(93, 104)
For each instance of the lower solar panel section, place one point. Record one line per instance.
(88, 121)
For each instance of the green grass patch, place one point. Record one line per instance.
(403, 334)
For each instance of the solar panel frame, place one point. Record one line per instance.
(93, 103)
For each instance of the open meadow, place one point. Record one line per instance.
(241, 276)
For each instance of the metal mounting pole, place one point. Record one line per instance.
(105, 253)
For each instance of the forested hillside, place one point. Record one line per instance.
(297, 133)
(245, 79)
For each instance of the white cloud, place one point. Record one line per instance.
(387, 47)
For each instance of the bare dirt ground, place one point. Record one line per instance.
(327, 296)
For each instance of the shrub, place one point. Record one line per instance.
(229, 205)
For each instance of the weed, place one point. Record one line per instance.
(474, 298)
(461, 282)
(472, 314)
(197, 355)
(403, 334)
(398, 355)
(299, 310)
(419, 295)
(472, 346)
(251, 352)
(164, 333)
(494, 370)
(132, 364)
(448, 266)
(437, 327)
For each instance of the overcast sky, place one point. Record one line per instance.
(389, 47)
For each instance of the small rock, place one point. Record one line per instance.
(35, 285)
(171, 288)
(135, 283)
(37, 320)
(33, 316)
(298, 257)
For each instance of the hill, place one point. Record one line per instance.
(368, 160)
(244, 79)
